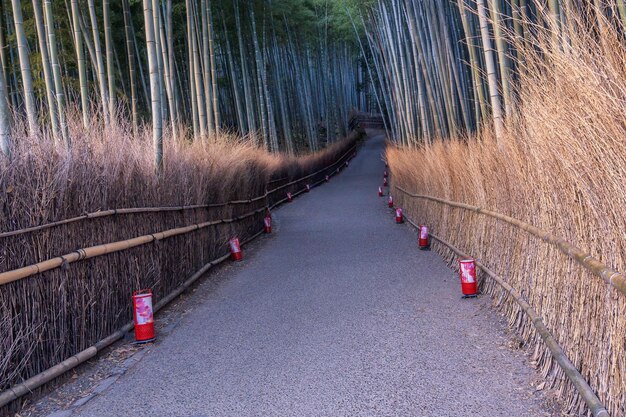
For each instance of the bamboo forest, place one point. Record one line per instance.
(144, 144)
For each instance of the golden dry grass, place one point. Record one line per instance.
(561, 167)
(51, 316)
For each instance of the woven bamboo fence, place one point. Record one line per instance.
(66, 285)
(575, 294)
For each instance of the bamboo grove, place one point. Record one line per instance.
(283, 73)
(449, 67)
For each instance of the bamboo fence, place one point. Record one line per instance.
(63, 310)
(576, 379)
(586, 392)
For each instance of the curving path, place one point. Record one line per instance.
(336, 314)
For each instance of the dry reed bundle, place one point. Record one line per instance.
(561, 167)
(51, 316)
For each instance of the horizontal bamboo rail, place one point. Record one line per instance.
(611, 277)
(143, 210)
(119, 246)
(108, 248)
(48, 375)
(580, 383)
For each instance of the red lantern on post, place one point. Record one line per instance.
(390, 201)
(380, 191)
(385, 174)
(143, 316)
(385, 182)
(267, 224)
(399, 216)
(235, 250)
(424, 238)
(467, 270)
(289, 197)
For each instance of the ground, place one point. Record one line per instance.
(336, 314)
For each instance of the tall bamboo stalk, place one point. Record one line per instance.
(494, 94)
(80, 58)
(132, 72)
(153, 65)
(5, 121)
(101, 72)
(27, 77)
(53, 109)
(108, 45)
(56, 71)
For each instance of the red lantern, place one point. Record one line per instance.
(289, 198)
(390, 201)
(380, 191)
(327, 178)
(385, 182)
(267, 223)
(399, 216)
(424, 237)
(143, 316)
(385, 174)
(235, 250)
(467, 271)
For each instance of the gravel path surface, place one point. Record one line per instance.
(337, 314)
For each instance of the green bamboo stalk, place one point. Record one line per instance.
(153, 65)
(108, 45)
(27, 77)
(130, 51)
(45, 63)
(56, 72)
(503, 58)
(494, 94)
(100, 70)
(80, 58)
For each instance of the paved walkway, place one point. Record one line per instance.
(337, 314)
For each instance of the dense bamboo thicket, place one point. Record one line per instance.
(49, 317)
(445, 68)
(559, 164)
(282, 73)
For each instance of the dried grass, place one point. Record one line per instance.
(561, 167)
(49, 317)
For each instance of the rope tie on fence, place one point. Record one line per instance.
(81, 254)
